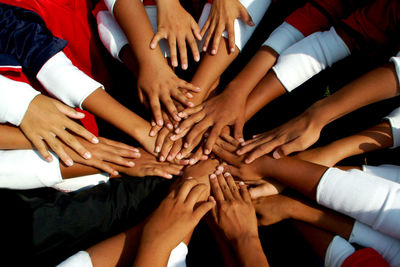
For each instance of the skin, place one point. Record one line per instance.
(303, 131)
(235, 216)
(45, 123)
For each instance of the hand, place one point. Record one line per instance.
(177, 215)
(106, 153)
(45, 124)
(296, 135)
(272, 209)
(234, 212)
(179, 27)
(264, 188)
(222, 17)
(147, 165)
(159, 83)
(218, 112)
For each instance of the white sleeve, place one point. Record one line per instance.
(15, 98)
(394, 120)
(26, 169)
(80, 259)
(65, 81)
(396, 62)
(82, 182)
(177, 257)
(369, 199)
(388, 247)
(243, 32)
(386, 171)
(337, 252)
(283, 37)
(111, 34)
(308, 57)
(110, 4)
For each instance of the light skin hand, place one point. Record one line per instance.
(106, 154)
(295, 135)
(179, 27)
(264, 188)
(222, 16)
(218, 112)
(45, 124)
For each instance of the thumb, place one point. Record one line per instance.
(68, 111)
(202, 209)
(287, 149)
(238, 130)
(244, 15)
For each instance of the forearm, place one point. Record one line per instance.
(249, 251)
(268, 89)
(13, 138)
(377, 85)
(151, 255)
(77, 170)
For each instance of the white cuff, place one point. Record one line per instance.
(394, 120)
(65, 81)
(110, 4)
(337, 252)
(396, 62)
(308, 57)
(15, 98)
(388, 247)
(26, 169)
(82, 182)
(243, 32)
(80, 259)
(111, 34)
(283, 37)
(369, 199)
(177, 258)
(386, 171)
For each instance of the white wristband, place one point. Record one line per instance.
(80, 259)
(369, 199)
(111, 34)
(308, 57)
(337, 252)
(26, 169)
(65, 81)
(394, 120)
(388, 247)
(283, 37)
(15, 98)
(177, 257)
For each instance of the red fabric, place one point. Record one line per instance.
(15, 74)
(69, 20)
(366, 257)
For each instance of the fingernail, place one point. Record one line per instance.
(213, 176)
(206, 151)
(184, 66)
(252, 23)
(213, 52)
(239, 152)
(177, 130)
(181, 114)
(241, 183)
(174, 63)
(162, 158)
(169, 176)
(152, 46)
(87, 155)
(247, 161)
(197, 58)
(169, 126)
(135, 150)
(158, 149)
(186, 162)
(152, 133)
(49, 158)
(189, 95)
(137, 154)
(186, 145)
(177, 118)
(115, 173)
(192, 161)
(241, 140)
(204, 49)
(198, 89)
(220, 168)
(131, 163)
(173, 137)
(69, 162)
(179, 156)
(153, 123)
(160, 123)
(95, 140)
(189, 178)
(232, 49)
(227, 174)
(218, 172)
(169, 158)
(276, 155)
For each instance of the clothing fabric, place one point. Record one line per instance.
(366, 257)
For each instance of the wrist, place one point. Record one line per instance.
(245, 240)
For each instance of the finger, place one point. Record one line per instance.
(232, 185)
(68, 111)
(208, 37)
(165, 149)
(157, 37)
(230, 140)
(216, 130)
(259, 151)
(246, 17)
(179, 96)
(288, 148)
(231, 37)
(216, 189)
(187, 124)
(195, 194)
(251, 144)
(224, 187)
(119, 144)
(234, 171)
(190, 111)
(185, 85)
(193, 47)
(154, 129)
(56, 146)
(73, 143)
(197, 130)
(177, 146)
(156, 108)
(244, 192)
(158, 171)
(183, 52)
(196, 156)
(167, 121)
(225, 145)
(170, 106)
(216, 40)
(196, 30)
(205, 28)
(160, 140)
(81, 131)
(41, 147)
(188, 149)
(226, 155)
(117, 159)
(172, 50)
(185, 189)
(238, 130)
(202, 209)
(173, 169)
